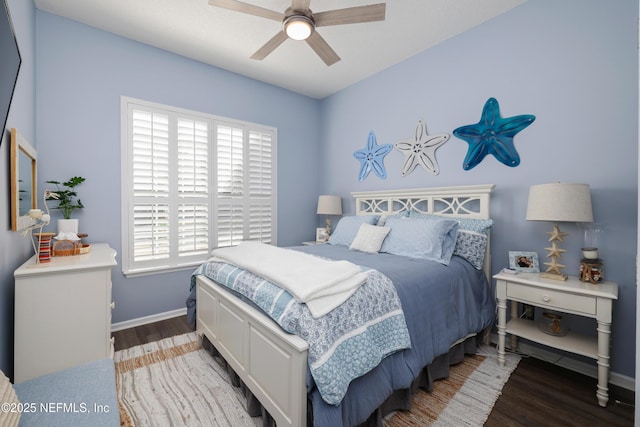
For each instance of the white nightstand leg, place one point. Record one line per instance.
(514, 315)
(604, 333)
(502, 326)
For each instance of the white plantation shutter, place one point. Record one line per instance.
(245, 178)
(260, 185)
(230, 224)
(193, 229)
(230, 146)
(192, 182)
(151, 216)
(260, 169)
(193, 188)
(151, 232)
(260, 223)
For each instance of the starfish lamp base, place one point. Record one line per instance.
(554, 276)
(554, 253)
(327, 229)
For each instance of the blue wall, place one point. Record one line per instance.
(82, 73)
(573, 64)
(14, 249)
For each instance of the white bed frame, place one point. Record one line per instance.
(273, 363)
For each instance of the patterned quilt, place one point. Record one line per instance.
(344, 344)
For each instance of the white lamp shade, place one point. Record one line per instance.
(329, 205)
(560, 202)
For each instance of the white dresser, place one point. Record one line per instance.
(63, 312)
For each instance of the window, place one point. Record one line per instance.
(192, 182)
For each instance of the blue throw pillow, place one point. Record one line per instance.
(471, 241)
(348, 227)
(471, 246)
(472, 224)
(432, 239)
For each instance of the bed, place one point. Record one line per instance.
(274, 364)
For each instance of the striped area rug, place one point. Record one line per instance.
(174, 382)
(465, 398)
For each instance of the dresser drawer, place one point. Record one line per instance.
(552, 299)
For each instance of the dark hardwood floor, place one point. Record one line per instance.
(538, 393)
(128, 338)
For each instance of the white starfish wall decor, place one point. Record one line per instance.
(421, 150)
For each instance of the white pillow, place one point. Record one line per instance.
(369, 238)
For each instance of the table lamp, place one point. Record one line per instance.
(39, 219)
(558, 202)
(329, 205)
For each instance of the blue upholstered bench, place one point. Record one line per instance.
(84, 395)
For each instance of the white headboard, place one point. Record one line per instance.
(470, 201)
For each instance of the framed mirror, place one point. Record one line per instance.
(23, 181)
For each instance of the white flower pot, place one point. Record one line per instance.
(68, 226)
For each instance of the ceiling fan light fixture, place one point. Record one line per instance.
(298, 27)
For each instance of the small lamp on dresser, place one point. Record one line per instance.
(39, 219)
(329, 205)
(558, 202)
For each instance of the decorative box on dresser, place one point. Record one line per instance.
(570, 296)
(63, 312)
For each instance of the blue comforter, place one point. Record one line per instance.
(441, 304)
(344, 344)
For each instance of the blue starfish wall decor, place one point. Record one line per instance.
(372, 158)
(493, 135)
(421, 150)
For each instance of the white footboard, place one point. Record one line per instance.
(271, 362)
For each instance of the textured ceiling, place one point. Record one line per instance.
(226, 39)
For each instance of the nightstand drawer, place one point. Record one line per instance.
(552, 299)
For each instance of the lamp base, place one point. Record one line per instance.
(554, 254)
(554, 276)
(327, 228)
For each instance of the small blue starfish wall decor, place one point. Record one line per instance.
(493, 135)
(421, 150)
(372, 158)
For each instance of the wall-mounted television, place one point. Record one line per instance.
(10, 61)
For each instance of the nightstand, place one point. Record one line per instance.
(570, 296)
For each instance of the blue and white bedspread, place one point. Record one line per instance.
(344, 344)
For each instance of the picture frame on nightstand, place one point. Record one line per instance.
(321, 235)
(526, 262)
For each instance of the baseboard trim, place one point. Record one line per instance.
(590, 370)
(148, 319)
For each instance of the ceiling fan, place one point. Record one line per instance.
(299, 23)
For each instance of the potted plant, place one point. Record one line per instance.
(68, 201)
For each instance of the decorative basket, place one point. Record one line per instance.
(552, 324)
(69, 248)
(591, 270)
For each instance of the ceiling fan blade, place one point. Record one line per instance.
(351, 15)
(239, 6)
(270, 46)
(300, 4)
(322, 48)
